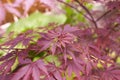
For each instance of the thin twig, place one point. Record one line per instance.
(103, 15)
(88, 12)
(74, 8)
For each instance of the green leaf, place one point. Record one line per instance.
(53, 59)
(73, 17)
(118, 60)
(36, 19)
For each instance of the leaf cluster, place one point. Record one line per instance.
(87, 51)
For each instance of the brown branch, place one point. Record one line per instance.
(75, 9)
(88, 12)
(103, 15)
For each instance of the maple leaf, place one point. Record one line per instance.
(111, 73)
(84, 58)
(80, 50)
(57, 38)
(55, 73)
(7, 62)
(71, 52)
(90, 77)
(20, 9)
(73, 67)
(23, 57)
(113, 5)
(88, 63)
(23, 38)
(7, 8)
(7, 77)
(106, 39)
(31, 71)
(85, 36)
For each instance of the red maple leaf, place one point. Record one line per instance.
(31, 71)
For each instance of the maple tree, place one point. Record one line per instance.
(78, 49)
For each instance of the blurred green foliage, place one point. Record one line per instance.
(36, 19)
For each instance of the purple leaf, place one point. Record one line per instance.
(73, 67)
(36, 73)
(17, 2)
(8, 62)
(113, 73)
(57, 38)
(54, 72)
(31, 71)
(68, 28)
(27, 5)
(12, 10)
(41, 66)
(21, 73)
